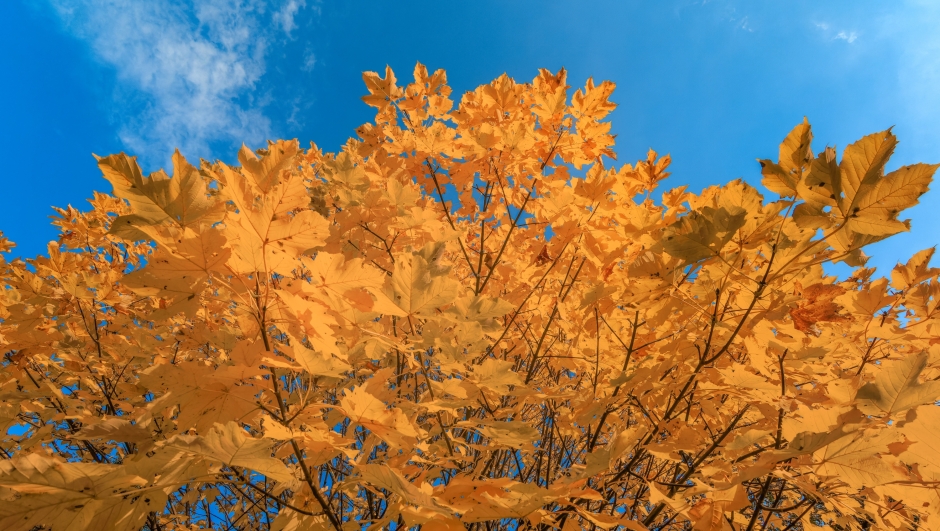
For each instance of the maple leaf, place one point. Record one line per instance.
(341, 280)
(796, 155)
(272, 219)
(203, 396)
(593, 100)
(496, 375)
(817, 307)
(73, 496)
(115, 429)
(416, 288)
(896, 388)
(267, 171)
(182, 199)
(177, 273)
(382, 91)
(5, 244)
(319, 363)
(702, 235)
(924, 433)
(230, 445)
(816, 186)
(876, 207)
(510, 434)
(861, 168)
(391, 480)
(371, 413)
(856, 460)
(915, 271)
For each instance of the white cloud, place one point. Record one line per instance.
(310, 60)
(285, 16)
(189, 69)
(848, 37)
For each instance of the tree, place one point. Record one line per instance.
(469, 318)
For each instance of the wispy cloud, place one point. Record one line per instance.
(186, 69)
(846, 36)
(840, 35)
(310, 60)
(284, 17)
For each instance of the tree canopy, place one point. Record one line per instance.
(472, 317)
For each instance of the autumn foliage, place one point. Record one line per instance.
(471, 318)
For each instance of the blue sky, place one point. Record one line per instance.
(716, 83)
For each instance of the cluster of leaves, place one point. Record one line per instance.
(465, 319)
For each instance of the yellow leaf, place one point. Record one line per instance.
(924, 432)
(389, 424)
(510, 434)
(795, 151)
(43, 491)
(177, 274)
(816, 186)
(593, 101)
(183, 199)
(701, 235)
(795, 156)
(915, 271)
(115, 429)
(809, 217)
(861, 167)
(857, 460)
(391, 480)
(877, 206)
(266, 171)
(776, 179)
(896, 387)
(319, 363)
(273, 222)
(415, 288)
(203, 394)
(517, 501)
(341, 278)
(231, 445)
(382, 91)
(496, 375)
